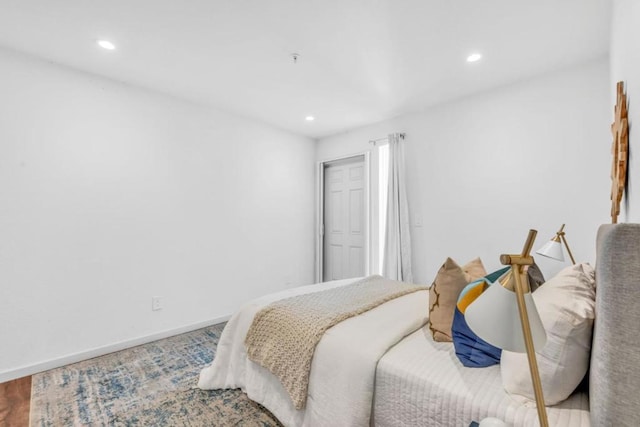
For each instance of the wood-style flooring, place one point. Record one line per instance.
(15, 400)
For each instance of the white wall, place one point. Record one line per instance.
(110, 195)
(625, 66)
(483, 170)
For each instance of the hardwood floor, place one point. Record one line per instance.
(15, 399)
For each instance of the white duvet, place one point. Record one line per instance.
(341, 382)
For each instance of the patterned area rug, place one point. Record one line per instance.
(150, 385)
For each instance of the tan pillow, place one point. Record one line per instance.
(444, 292)
(473, 270)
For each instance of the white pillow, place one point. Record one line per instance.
(566, 305)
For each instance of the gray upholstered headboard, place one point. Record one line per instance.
(614, 382)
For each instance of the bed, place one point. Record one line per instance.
(382, 368)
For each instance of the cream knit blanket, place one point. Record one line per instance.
(284, 334)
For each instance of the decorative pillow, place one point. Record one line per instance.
(473, 351)
(474, 270)
(443, 295)
(536, 279)
(566, 305)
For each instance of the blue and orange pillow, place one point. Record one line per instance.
(472, 350)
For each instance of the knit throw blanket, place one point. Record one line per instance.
(284, 334)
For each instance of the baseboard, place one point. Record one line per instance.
(23, 371)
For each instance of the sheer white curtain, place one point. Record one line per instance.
(397, 245)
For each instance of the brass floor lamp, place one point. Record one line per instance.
(493, 317)
(553, 248)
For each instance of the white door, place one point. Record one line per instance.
(344, 219)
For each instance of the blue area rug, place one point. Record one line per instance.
(149, 385)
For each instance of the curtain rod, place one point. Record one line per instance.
(374, 141)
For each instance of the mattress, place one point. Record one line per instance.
(420, 382)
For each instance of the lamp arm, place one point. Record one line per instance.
(528, 244)
(517, 267)
(566, 245)
(528, 341)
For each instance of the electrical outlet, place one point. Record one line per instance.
(156, 303)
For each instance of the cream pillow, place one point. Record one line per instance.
(444, 292)
(566, 304)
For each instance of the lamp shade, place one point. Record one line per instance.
(552, 249)
(495, 318)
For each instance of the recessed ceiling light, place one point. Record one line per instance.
(309, 118)
(106, 44)
(474, 57)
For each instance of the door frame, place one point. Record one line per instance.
(320, 166)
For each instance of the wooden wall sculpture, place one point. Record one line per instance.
(620, 151)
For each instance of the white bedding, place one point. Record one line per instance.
(341, 382)
(420, 382)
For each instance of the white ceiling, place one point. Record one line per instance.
(361, 61)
